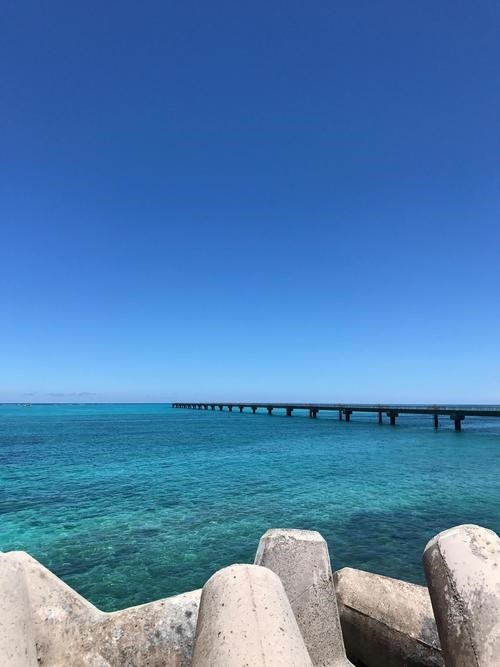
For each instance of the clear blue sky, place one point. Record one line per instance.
(266, 200)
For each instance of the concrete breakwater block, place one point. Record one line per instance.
(284, 610)
(67, 630)
(462, 566)
(386, 622)
(245, 619)
(17, 639)
(153, 634)
(301, 560)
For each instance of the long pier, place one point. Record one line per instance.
(456, 413)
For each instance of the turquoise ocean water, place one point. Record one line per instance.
(130, 503)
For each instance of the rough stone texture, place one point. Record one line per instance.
(386, 622)
(68, 630)
(462, 566)
(17, 640)
(245, 619)
(300, 559)
(158, 633)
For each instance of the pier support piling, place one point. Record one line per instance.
(269, 410)
(221, 407)
(313, 413)
(458, 419)
(340, 415)
(348, 414)
(392, 418)
(380, 418)
(213, 407)
(254, 409)
(289, 412)
(241, 408)
(436, 421)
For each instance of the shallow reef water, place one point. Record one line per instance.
(130, 503)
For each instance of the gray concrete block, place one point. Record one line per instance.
(69, 630)
(386, 622)
(61, 617)
(245, 619)
(300, 558)
(17, 639)
(462, 566)
(157, 634)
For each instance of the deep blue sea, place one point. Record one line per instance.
(130, 503)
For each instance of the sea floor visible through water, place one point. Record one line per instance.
(131, 503)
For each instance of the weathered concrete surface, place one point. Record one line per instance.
(245, 619)
(158, 633)
(17, 639)
(386, 622)
(68, 630)
(462, 566)
(61, 618)
(300, 558)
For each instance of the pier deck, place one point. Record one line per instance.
(456, 413)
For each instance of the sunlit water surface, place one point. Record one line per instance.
(130, 503)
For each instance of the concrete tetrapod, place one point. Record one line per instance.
(245, 619)
(386, 622)
(300, 558)
(462, 566)
(17, 639)
(68, 630)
